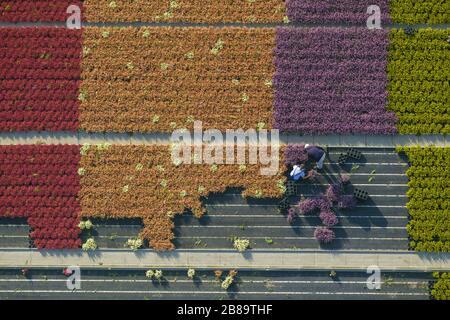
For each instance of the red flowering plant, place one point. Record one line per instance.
(36, 10)
(39, 79)
(41, 183)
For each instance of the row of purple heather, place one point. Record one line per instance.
(332, 82)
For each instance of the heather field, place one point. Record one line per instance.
(334, 12)
(222, 77)
(332, 77)
(41, 183)
(36, 10)
(149, 176)
(224, 150)
(39, 79)
(226, 11)
(286, 78)
(56, 187)
(411, 11)
(419, 90)
(428, 195)
(198, 11)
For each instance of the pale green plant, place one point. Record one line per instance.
(163, 183)
(85, 225)
(103, 146)
(134, 243)
(241, 244)
(82, 96)
(89, 245)
(227, 282)
(191, 273)
(217, 47)
(258, 194)
(190, 55)
(84, 149)
(146, 34)
(158, 274)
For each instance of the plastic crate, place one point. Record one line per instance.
(284, 204)
(360, 194)
(291, 188)
(353, 153)
(342, 158)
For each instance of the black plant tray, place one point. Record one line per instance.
(342, 158)
(284, 204)
(291, 188)
(353, 153)
(360, 194)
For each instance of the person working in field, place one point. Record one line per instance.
(299, 173)
(316, 154)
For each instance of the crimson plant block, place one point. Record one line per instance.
(332, 81)
(334, 11)
(39, 79)
(41, 183)
(36, 10)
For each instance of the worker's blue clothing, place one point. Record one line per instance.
(297, 173)
(315, 153)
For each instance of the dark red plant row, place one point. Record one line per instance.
(40, 73)
(36, 10)
(21, 85)
(43, 212)
(37, 201)
(40, 190)
(39, 126)
(32, 171)
(40, 33)
(55, 232)
(39, 153)
(39, 79)
(41, 183)
(71, 50)
(59, 222)
(32, 116)
(57, 244)
(35, 179)
(44, 105)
